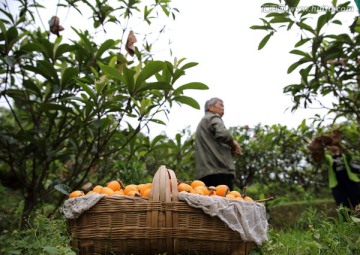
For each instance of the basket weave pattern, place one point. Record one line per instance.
(160, 224)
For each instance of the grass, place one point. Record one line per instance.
(315, 234)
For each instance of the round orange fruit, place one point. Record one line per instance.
(114, 185)
(204, 190)
(239, 198)
(222, 190)
(133, 193)
(119, 192)
(235, 193)
(146, 193)
(184, 186)
(198, 191)
(249, 199)
(230, 196)
(76, 193)
(97, 189)
(144, 187)
(90, 192)
(130, 187)
(197, 183)
(107, 191)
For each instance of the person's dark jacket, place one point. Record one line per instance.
(212, 147)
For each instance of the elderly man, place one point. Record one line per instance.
(215, 147)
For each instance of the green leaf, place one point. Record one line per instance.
(48, 48)
(188, 101)
(150, 69)
(272, 5)
(157, 139)
(30, 85)
(11, 34)
(108, 44)
(45, 69)
(10, 17)
(49, 69)
(11, 38)
(305, 27)
(337, 22)
(166, 73)
(128, 76)
(165, 10)
(68, 76)
(85, 41)
(322, 20)
(302, 41)
(305, 72)
(344, 6)
(192, 85)
(188, 65)
(280, 19)
(63, 48)
(3, 28)
(264, 41)
(299, 52)
(51, 250)
(30, 47)
(10, 60)
(56, 107)
(63, 188)
(260, 27)
(44, 47)
(111, 72)
(178, 73)
(297, 64)
(157, 121)
(291, 23)
(292, 3)
(88, 90)
(156, 85)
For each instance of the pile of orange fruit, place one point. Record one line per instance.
(116, 187)
(199, 187)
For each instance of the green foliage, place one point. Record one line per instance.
(316, 235)
(10, 205)
(43, 236)
(275, 154)
(75, 109)
(328, 62)
(176, 154)
(276, 160)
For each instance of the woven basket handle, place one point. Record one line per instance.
(164, 186)
(174, 185)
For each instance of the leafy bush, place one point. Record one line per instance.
(8, 206)
(43, 236)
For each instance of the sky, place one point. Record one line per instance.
(218, 37)
(250, 81)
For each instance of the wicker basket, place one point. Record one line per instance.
(160, 224)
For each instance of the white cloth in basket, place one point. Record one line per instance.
(247, 218)
(74, 207)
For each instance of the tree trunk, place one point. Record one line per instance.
(30, 201)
